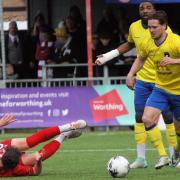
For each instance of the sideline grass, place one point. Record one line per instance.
(85, 158)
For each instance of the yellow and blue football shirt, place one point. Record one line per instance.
(167, 77)
(138, 34)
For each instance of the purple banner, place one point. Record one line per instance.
(44, 107)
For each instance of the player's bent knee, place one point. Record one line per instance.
(147, 121)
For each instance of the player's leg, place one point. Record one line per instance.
(175, 100)
(141, 94)
(49, 149)
(170, 131)
(156, 103)
(149, 118)
(45, 134)
(176, 157)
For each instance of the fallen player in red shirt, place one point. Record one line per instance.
(14, 161)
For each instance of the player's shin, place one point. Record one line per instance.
(176, 157)
(171, 137)
(175, 160)
(42, 136)
(155, 137)
(140, 138)
(49, 149)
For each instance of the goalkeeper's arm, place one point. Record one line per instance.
(103, 58)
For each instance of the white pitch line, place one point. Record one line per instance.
(99, 150)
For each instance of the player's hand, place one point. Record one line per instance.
(6, 119)
(99, 60)
(37, 168)
(130, 81)
(167, 61)
(39, 157)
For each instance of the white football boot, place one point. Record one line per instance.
(175, 161)
(162, 161)
(139, 163)
(79, 124)
(72, 134)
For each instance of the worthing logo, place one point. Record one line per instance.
(107, 106)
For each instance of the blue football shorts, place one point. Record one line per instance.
(163, 100)
(142, 91)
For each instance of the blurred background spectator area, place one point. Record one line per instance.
(56, 10)
(15, 9)
(24, 12)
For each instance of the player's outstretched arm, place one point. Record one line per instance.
(137, 65)
(103, 58)
(167, 61)
(6, 119)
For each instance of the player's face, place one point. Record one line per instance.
(155, 28)
(146, 9)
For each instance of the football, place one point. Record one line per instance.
(118, 166)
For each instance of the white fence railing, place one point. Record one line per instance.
(64, 82)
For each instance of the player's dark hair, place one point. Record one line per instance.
(161, 16)
(10, 158)
(148, 1)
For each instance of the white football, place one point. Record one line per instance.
(118, 166)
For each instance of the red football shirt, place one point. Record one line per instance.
(19, 170)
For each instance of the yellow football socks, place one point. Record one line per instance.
(154, 135)
(140, 133)
(171, 135)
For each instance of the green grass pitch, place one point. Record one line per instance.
(85, 158)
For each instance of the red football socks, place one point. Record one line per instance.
(49, 149)
(42, 136)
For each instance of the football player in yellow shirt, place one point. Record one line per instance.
(164, 50)
(144, 85)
